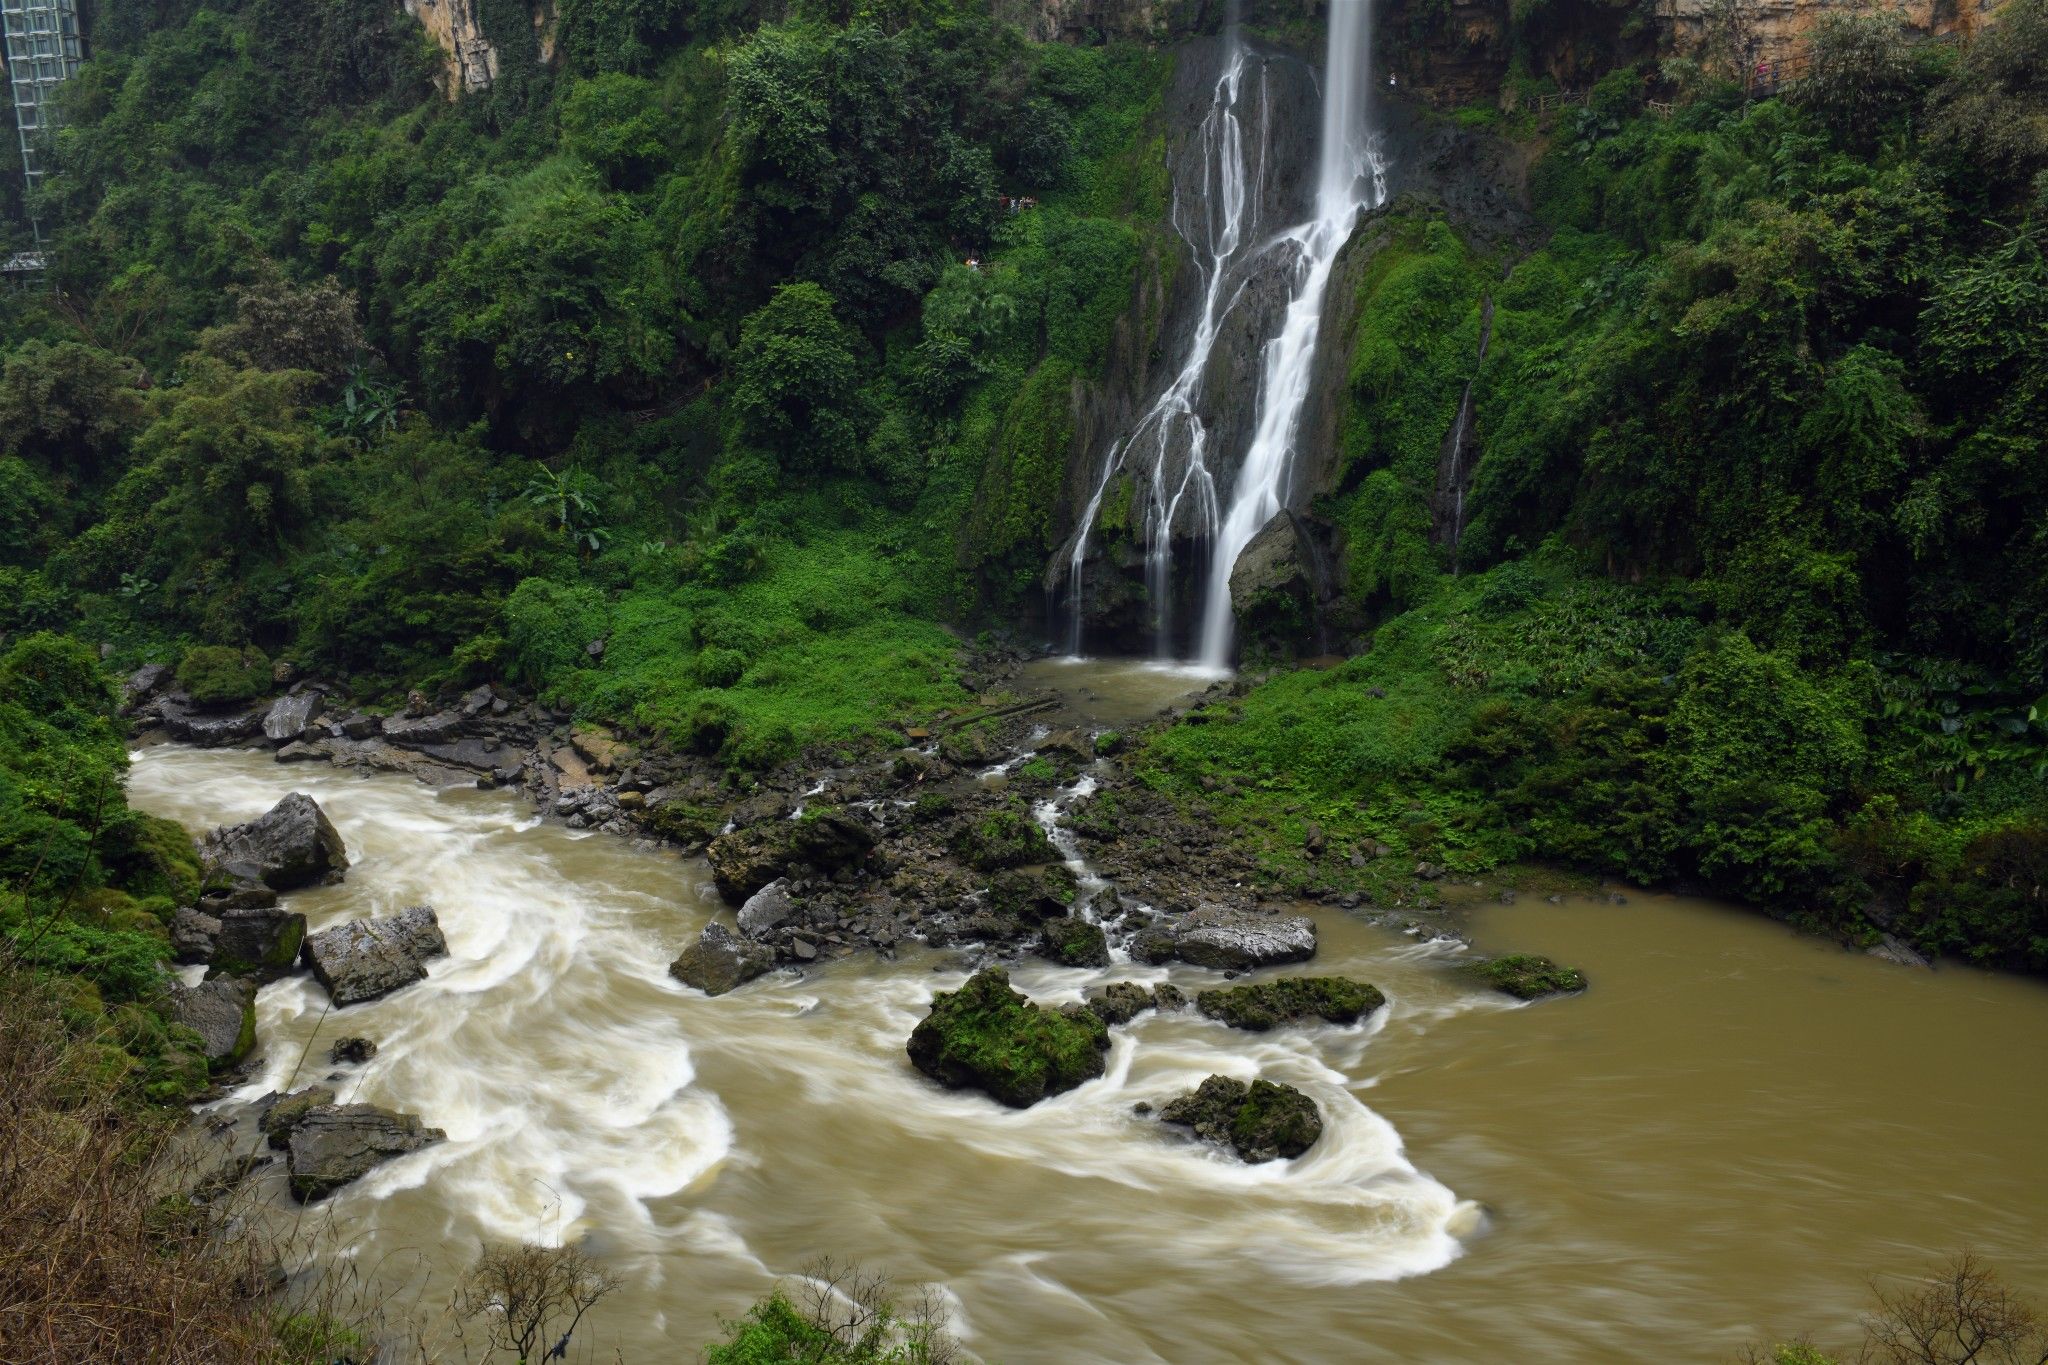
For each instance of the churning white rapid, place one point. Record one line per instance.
(1219, 221)
(1350, 178)
(704, 1147)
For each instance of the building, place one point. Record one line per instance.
(40, 41)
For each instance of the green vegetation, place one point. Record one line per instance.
(1749, 597)
(1269, 1004)
(1073, 942)
(670, 346)
(1527, 976)
(991, 1037)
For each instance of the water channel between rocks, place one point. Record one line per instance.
(1721, 1140)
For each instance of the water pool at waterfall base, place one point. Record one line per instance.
(1720, 1141)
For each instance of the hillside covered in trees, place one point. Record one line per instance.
(724, 377)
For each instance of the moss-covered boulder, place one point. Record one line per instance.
(1073, 943)
(1527, 976)
(1003, 838)
(986, 1036)
(1269, 1004)
(1033, 894)
(1263, 1121)
(1120, 1002)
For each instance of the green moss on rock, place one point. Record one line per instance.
(1073, 943)
(1003, 838)
(1263, 1121)
(1270, 1004)
(986, 1036)
(1527, 976)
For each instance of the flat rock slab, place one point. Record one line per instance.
(331, 1145)
(1230, 940)
(367, 959)
(292, 844)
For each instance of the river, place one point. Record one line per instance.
(1721, 1140)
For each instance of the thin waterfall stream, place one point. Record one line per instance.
(1169, 448)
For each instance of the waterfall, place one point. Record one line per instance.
(1216, 224)
(1350, 178)
(1217, 213)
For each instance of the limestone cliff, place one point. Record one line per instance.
(1780, 28)
(471, 57)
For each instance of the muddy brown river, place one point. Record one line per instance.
(1722, 1140)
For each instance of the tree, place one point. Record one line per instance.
(794, 378)
(532, 1298)
(282, 326)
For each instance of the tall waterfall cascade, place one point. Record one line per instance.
(1171, 449)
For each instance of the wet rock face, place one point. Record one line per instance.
(222, 1011)
(292, 845)
(260, 943)
(1229, 939)
(719, 962)
(986, 1036)
(290, 717)
(765, 909)
(208, 729)
(192, 935)
(368, 959)
(331, 1145)
(1263, 1121)
(1298, 999)
(285, 1112)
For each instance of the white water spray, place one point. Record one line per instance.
(1351, 178)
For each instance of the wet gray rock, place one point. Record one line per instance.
(1232, 940)
(192, 935)
(305, 751)
(261, 943)
(370, 958)
(222, 1011)
(719, 962)
(351, 1051)
(442, 727)
(767, 908)
(280, 1114)
(1120, 1002)
(144, 683)
(334, 1144)
(209, 729)
(290, 717)
(292, 845)
(1896, 950)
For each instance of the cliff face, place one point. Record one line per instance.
(471, 57)
(1780, 28)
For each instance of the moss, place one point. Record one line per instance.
(1004, 838)
(1269, 1004)
(220, 675)
(989, 1037)
(1263, 1121)
(1073, 943)
(1527, 976)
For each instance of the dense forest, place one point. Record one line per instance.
(700, 377)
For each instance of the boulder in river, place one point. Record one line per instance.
(351, 1051)
(291, 716)
(1263, 1121)
(1073, 943)
(293, 844)
(261, 943)
(282, 1113)
(1229, 940)
(192, 935)
(1292, 1000)
(212, 729)
(1120, 1002)
(767, 908)
(333, 1144)
(992, 1038)
(1527, 976)
(222, 1011)
(746, 860)
(366, 959)
(720, 961)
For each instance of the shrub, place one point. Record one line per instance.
(222, 675)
